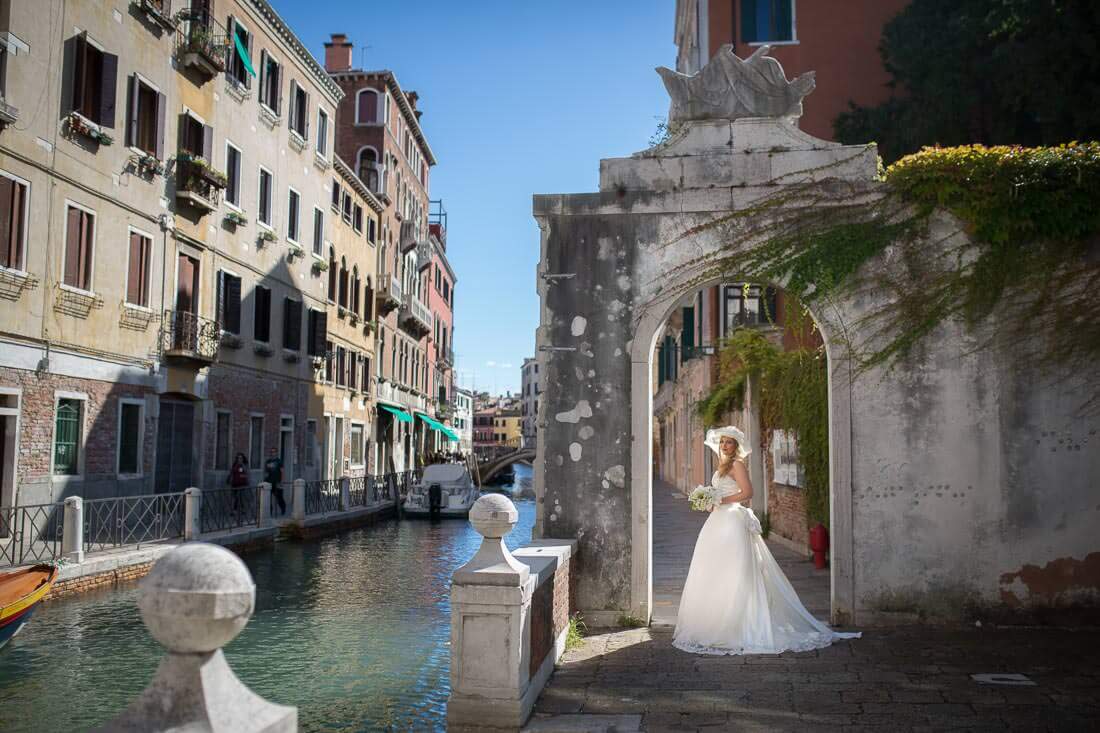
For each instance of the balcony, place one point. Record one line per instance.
(201, 43)
(416, 316)
(189, 339)
(445, 356)
(444, 409)
(389, 293)
(158, 11)
(197, 183)
(9, 113)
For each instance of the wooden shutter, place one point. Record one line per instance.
(107, 90)
(233, 304)
(263, 78)
(320, 333)
(277, 90)
(8, 214)
(748, 21)
(72, 247)
(248, 47)
(293, 105)
(230, 48)
(134, 276)
(305, 113)
(262, 326)
(162, 111)
(208, 143)
(85, 229)
(185, 284)
(292, 324)
(132, 94)
(71, 69)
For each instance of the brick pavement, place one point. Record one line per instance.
(914, 678)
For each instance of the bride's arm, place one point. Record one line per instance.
(741, 476)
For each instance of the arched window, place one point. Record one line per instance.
(332, 274)
(342, 300)
(368, 298)
(355, 290)
(366, 107)
(367, 167)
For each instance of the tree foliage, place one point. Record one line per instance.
(995, 72)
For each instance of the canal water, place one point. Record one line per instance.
(353, 629)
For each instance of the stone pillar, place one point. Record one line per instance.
(194, 601)
(490, 628)
(72, 531)
(264, 520)
(192, 513)
(298, 500)
(345, 493)
(759, 500)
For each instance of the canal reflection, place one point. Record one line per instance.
(353, 629)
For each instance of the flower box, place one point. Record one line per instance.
(262, 349)
(235, 219)
(77, 124)
(265, 236)
(320, 265)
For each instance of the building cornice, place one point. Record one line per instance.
(319, 74)
(355, 182)
(402, 101)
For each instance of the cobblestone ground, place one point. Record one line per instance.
(909, 679)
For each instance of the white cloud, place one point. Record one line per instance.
(490, 363)
(505, 366)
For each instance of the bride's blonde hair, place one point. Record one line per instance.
(725, 463)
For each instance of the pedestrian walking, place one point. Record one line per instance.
(237, 478)
(273, 474)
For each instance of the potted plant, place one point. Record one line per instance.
(293, 251)
(236, 219)
(320, 265)
(265, 236)
(148, 165)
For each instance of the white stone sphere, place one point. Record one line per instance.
(493, 515)
(197, 598)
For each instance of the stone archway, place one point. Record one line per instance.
(958, 479)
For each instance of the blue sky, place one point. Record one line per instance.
(518, 98)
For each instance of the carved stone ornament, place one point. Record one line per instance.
(729, 88)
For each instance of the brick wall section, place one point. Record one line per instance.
(786, 505)
(550, 606)
(100, 423)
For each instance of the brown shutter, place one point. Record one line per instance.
(143, 273)
(321, 333)
(185, 285)
(263, 79)
(71, 65)
(208, 143)
(305, 111)
(8, 257)
(293, 104)
(107, 90)
(162, 107)
(133, 277)
(132, 110)
(72, 247)
(233, 304)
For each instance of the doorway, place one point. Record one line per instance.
(175, 441)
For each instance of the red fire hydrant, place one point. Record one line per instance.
(819, 543)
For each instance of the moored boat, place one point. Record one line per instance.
(445, 490)
(20, 592)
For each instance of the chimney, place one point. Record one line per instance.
(412, 97)
(338, 53)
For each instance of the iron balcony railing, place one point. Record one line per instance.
(132, 520)
(201, 42)
(195, 177)
(31, 533)
(359, 492)
(189, 336)
(224, 509)
(416, 314)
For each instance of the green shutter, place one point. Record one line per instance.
(781, 14)
(67, 437)
(748, 21)
(688, 337)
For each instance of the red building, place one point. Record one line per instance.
(441, 298)
(838, 39)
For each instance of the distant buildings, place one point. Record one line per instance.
(464, 419)
(498, 424)
(530, 394)
(837, 40)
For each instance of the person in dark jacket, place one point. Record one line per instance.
(237, 478)
(273, 474)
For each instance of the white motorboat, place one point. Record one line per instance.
(445, 490)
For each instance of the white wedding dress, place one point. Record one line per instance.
(736, 599)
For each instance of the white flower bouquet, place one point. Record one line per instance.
(705, 498)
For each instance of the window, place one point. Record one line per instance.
(767, 21)
(346, 212)
(342, 299)
(13, 220)
(371, 231)
(318, 232)
(240, 49)
(221, 440)
(785, 465)
(356, 445)
(256, 441)
(292, 216)
(145, 117)
(292, 324)
(353, 370)
(196, 137)
(317, 332)
(322, 132)
(357, 218)
(311, 438)
(330, 363)
(337, 190)
(366, 375)
(367, 168)
(229, 302)
(264, 213)
(270, 83)
(233, 175)
(366, 107)
(67, 436)
(262, 319)
(93, 81)
(137, 277)
(332, 274)
(341, 366)
(79, 247)
(130, 433)
(748, 305)
(299, 110)
(286, 441)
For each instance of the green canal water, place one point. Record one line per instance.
(353, 629)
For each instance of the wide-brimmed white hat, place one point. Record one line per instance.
(715, 435)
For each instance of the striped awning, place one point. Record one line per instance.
(397, 412)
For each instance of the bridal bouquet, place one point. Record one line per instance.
(705, 498)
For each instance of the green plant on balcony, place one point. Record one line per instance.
(320, 265)
(293, 251)
(77, 124)
(235, 219)
(148, 165)
(265, 236)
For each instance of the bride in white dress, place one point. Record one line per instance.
(736, 599)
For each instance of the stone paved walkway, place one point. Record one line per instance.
(898, 680)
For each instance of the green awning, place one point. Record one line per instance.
(243, 53)
(397, 412)
(436, 425)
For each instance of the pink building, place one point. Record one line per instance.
(440, 287)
